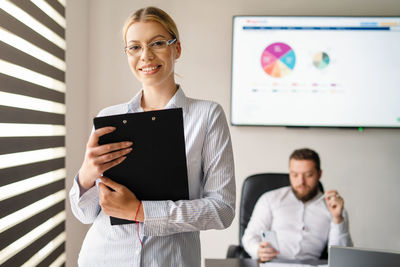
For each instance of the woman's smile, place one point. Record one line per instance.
(150, 69)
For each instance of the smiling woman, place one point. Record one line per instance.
(152, 66)
(167, 232)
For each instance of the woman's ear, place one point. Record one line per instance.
(178, 50)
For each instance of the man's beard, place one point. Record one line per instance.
(308, 196)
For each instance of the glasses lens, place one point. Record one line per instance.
(160, 44)
(133, 49)
(136, 49)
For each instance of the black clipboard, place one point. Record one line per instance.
(156, 167)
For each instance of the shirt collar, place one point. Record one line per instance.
(179, 100)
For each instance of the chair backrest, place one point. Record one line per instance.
(253, 187)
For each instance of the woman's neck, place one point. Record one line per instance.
(155, 98)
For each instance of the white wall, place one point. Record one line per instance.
(363, 166)
(77, 111)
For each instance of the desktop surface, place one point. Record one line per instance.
(338, 257)
(295, 263)
(254, 263)
(231, 263)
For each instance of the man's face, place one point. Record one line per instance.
(304, 178)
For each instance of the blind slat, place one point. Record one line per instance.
(38, 14)
(18, 202)
(52, 256)
(19, 115)
(21, 257)
(18, 173)
(17, 57)
(16, 86)
(57, 6)
(21, 144)
(13, 25)
(11, 235)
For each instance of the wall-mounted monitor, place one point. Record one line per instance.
(316, 71)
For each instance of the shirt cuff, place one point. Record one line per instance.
(81, 196)
(156, 218)
(339, 227)
(253, 250)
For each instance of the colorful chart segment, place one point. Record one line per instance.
(321, 60)
(278, 60)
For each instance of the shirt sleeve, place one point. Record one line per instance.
(84, 205)
(261, 220)
(339, 234)
(216, 208)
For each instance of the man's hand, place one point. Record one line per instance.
(120, 203)
(335, 205)
(266, 252)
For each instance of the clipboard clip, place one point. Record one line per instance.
(152, 118)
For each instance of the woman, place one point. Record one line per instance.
(168, 232)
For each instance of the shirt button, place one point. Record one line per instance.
(304, 228)
(137, 252)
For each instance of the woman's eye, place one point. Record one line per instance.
(134, 47)
(158, 44)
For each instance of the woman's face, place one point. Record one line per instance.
(152, 67)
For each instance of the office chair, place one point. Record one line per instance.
(253, 187)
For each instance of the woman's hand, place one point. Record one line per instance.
(98, 159)
(121, 202)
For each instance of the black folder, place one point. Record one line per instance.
(156, 167)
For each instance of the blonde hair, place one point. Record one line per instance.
(151, 14)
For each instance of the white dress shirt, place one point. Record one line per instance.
(170, 232)
(303, 229)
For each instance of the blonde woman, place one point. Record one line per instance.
(168, 231)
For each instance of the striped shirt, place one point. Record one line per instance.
(170, 232)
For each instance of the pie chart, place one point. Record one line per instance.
(321, 60)
(278, 60)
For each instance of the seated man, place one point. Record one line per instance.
(303, 218)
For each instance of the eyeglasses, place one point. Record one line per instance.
(159, 45)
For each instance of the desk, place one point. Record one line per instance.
(254, 263)
(231, 263)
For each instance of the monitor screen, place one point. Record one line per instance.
(316, 71)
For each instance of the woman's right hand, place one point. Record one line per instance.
(98, 158)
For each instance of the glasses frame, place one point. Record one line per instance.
(149, 46)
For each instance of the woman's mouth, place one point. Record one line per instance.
(150, 69)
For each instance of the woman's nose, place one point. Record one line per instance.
(146, 53)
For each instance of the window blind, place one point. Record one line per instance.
(32, 132)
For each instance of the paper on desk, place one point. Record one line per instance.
(281, 264)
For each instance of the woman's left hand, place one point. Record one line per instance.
(120, 203)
